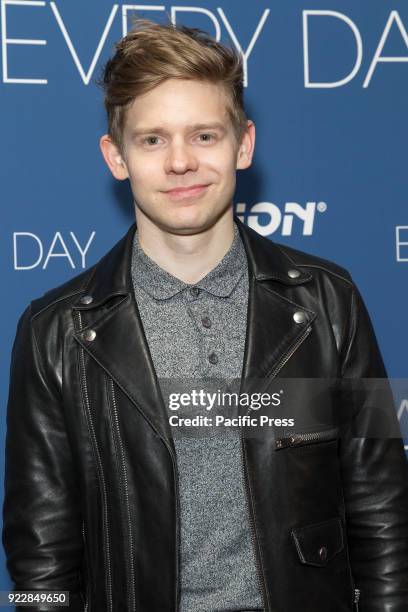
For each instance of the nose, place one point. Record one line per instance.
(180, 159)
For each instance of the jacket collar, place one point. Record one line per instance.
(266, 261)
(276, 325)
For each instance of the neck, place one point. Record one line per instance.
(187, 257)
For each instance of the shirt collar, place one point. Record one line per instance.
(161, 285)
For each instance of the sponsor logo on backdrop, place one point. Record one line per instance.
(401, 243)
(292, 218)
(313, 24)
(30, 251)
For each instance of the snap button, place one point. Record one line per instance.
(299, 317)
(86, 299)
(323, 553)
(89, 335)
(293, 273)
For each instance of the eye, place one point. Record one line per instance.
(207, 137)
(150, 140)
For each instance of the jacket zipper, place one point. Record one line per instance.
(357, 593)
(297, 439)
(100, 472)
(289, 355)
(258, 563)
(126, 494)
(86, 561)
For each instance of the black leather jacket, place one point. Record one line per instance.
(91, 490)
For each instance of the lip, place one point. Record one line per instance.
(180, 193)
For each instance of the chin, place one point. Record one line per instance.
(194, 213)
(188, 222)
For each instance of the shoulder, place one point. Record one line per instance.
(108, 272)
(316, 266)
(287, 265)
(63, 294)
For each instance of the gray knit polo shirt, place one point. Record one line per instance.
(195, 332)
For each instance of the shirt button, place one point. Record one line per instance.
(206, 321)
(195, 291)
(323, 553)
(213, 358)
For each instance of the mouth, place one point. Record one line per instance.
(182, 193)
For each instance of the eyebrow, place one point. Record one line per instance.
(189, 128)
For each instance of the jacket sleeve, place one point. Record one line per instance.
(41, 510)
(375, 474)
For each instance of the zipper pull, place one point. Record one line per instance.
(306, 438)
(285, 442)
(296, 439)
(357, 593)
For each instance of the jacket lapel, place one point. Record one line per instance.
(272, 334)
(275, 324)
(120, 346)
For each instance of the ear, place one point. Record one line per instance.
(113, 158)
(246, 148)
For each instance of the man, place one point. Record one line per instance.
(103, 498)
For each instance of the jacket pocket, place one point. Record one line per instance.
(303, 439)
(317, 544)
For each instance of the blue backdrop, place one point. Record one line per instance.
(326, 84)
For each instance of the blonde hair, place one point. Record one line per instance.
(151, 53)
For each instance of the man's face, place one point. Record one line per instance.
(179, 136)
